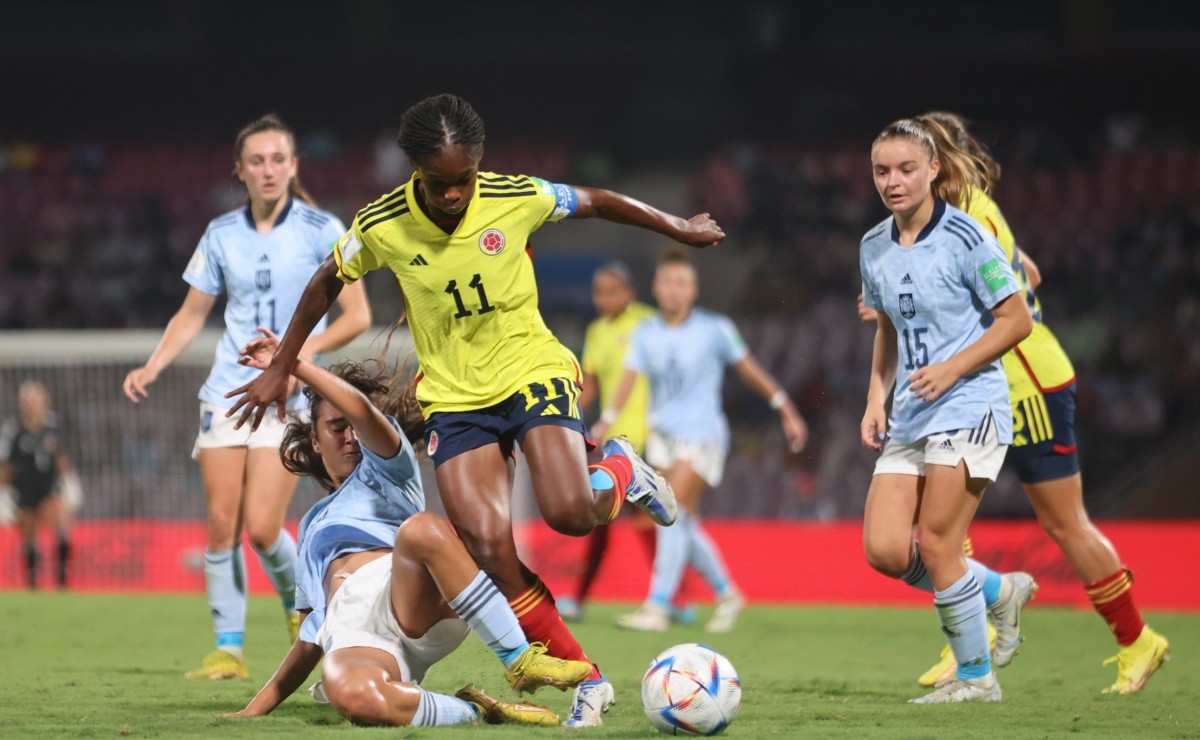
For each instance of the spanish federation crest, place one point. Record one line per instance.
(908, 307)
(262, 279)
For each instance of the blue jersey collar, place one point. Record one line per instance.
(939, 209)
(287, 208)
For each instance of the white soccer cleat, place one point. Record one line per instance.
(728, 609)
(1015, 592)
(648, 618)
(963, 689)
(648, 490)
(592, 699)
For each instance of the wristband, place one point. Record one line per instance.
(608, 416)
(778, 399)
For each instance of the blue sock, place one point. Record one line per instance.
(704, 556)
(487, 612)
(279, 561)
(601, 480)
(964, 622)
(916, 575)
(670, 558)
(989, 581)
(439, 709)
(224, 579)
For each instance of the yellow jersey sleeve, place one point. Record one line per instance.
(1038, 364)
(358, 251)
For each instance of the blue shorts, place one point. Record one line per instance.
(1044, 446)
(451, 433)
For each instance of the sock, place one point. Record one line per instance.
(597, 547)
(31, 563)
(279, 561)
(225, 581)
(439, 709)
(1112, 598)
(988, 579)
(704, 556)
(612, 474)
(540, 621)
(487, 612)
(964, 622)
(670, 558)
(64, 558)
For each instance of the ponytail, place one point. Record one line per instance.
(956, 126)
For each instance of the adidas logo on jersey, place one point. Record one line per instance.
(906, 280)
(418, 260)
(263, 258)
(946, 446)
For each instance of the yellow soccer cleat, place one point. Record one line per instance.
(294, 618)
(1137, 662)
(944, 670)
(501, 712)
(535, 669)
(219, 665)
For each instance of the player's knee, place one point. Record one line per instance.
(263, 538)
(422, 535)
(892, 562)
(361, 702)
(575, 522)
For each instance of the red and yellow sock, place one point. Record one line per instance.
(619, 470)
(1112, 597)
(541, 622)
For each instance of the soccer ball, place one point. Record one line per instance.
(691, 690)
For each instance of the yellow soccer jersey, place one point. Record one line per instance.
(470, 296)
(604, 347)
(1038, 364)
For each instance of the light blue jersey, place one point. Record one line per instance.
(262, 276)
(939, 294)
(362, 514)
(685, 365)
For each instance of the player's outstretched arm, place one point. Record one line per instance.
(297, 665)
(271, 386)
(181, 330)
(370, 425)
(760, 381)
(698, 231)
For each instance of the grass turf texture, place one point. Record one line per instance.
(104, 666)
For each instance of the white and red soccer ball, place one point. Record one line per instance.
(691, 689)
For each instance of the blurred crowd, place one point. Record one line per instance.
(97, 235)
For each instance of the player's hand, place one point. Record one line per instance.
(866, 314)
(873, 428)
(599, 431)
(702, 231)
(137, 381)
(929, 383)
(259, 351)
(270, 387)
(796, 431)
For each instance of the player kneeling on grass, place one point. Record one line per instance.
(383, 614)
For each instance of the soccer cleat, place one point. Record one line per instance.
(317, 692)
(592, 699)
(943, 671)
(294, 618)
(963, 689)
(219, 665)
(728, 609)
(569, 609)
(648, 490)
(648, 618)
(1138, 661)
(535, 669)
(1006, 615)
(496, 712)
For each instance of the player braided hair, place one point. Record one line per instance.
(373, 379)
(272, 122)
(437, 122)
(956, 126)
(960, 170)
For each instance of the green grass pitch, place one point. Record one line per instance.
(112, 665)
